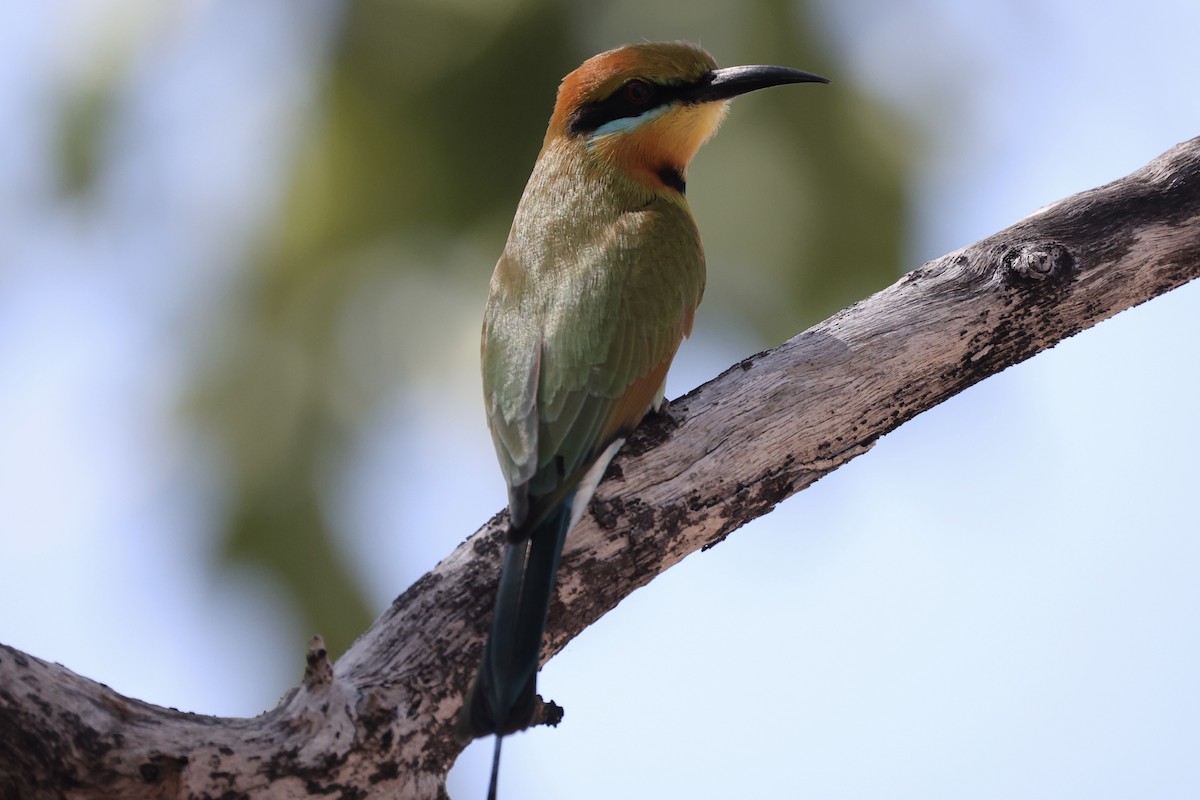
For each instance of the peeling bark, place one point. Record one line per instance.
(378, 723)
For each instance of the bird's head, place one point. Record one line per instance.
(647, 108)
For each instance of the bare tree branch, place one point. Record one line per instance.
(379, 721)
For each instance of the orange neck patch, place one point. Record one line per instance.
(656, 151)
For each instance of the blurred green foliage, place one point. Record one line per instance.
(81, 137)
(431, 116)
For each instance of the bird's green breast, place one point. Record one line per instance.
(597, 285)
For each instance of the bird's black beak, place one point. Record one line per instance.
(723, 84)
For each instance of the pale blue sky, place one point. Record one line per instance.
(998, 601)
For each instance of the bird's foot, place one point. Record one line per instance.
(668, 419)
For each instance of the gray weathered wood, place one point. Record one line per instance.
(378, 723)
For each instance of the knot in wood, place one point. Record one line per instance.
(1035, 262)
(318, 670)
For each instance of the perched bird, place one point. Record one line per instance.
(597, 286)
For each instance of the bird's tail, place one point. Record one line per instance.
(495, 769)
(501, 698)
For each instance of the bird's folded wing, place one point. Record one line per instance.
(574, 354)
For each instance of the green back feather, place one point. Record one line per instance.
(596, 287)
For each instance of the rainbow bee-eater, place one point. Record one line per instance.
(597, 286)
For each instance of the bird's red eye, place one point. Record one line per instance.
(638, 92)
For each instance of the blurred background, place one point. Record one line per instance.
(244, 249)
